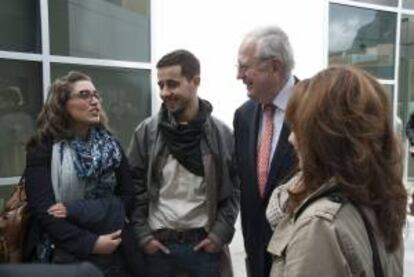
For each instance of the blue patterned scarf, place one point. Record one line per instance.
(95, 161)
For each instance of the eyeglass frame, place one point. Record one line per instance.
(244, 67)
(86, 95)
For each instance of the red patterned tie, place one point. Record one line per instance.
(265, 148)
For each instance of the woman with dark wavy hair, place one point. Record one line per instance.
(346, 208)
(77, 180)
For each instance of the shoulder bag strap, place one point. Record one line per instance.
(334, 195)
(378, 272)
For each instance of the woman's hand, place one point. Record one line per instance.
(106, 244)
(58, 210)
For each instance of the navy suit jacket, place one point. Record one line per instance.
(256, 229)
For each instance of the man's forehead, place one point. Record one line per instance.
(172, 71)
(247, 50)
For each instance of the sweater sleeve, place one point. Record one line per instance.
(100, 216)
(40, 197)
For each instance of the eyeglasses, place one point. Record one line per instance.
(243, 67)
(86, 95)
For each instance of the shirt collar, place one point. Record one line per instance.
(281, 99)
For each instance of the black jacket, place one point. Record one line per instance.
(64, 234)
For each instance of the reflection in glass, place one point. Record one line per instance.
(362, 37)
(392, 3)
(408, 4)
(126, 95)
(398, 124)
(5, 192)
(20, 26)
(406, 73)
(108, 29)
(389, 89)
(20, 102)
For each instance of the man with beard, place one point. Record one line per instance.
(183, 169)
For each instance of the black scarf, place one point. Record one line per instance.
(183, 140)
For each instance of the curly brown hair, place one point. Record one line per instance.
(54, 120)
(342, 123)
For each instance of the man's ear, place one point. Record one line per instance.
(196, 80)
(277, 65)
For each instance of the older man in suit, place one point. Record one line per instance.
(264, 156)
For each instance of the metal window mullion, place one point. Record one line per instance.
(7, 181)
(20, 56)
(326, 33)
(98, 62)
(397, 61)
(397, 88)
(365, 5)
(44, 16)
(155, 6)
(407, 11)
(390, 82)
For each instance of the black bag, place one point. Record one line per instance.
(44, 251)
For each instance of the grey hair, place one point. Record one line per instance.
(272, 41)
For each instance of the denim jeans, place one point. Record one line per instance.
(182, 259)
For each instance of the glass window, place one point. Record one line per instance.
(107, 29)
(126, 95)
(20, 102)
(392, 3)
(406, 73)
(362, 37)
(398, 124)
(20, 26)
(5, 192)
(408, 4)
(389, 90)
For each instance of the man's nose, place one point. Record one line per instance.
(165, 92)
(240, 74)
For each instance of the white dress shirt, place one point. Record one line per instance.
(280, 102)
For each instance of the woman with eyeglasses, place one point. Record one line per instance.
(345, 210)
(77, 180)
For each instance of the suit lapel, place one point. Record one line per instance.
(282, 149)
(254, 123)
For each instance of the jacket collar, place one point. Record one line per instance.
(320, 192)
